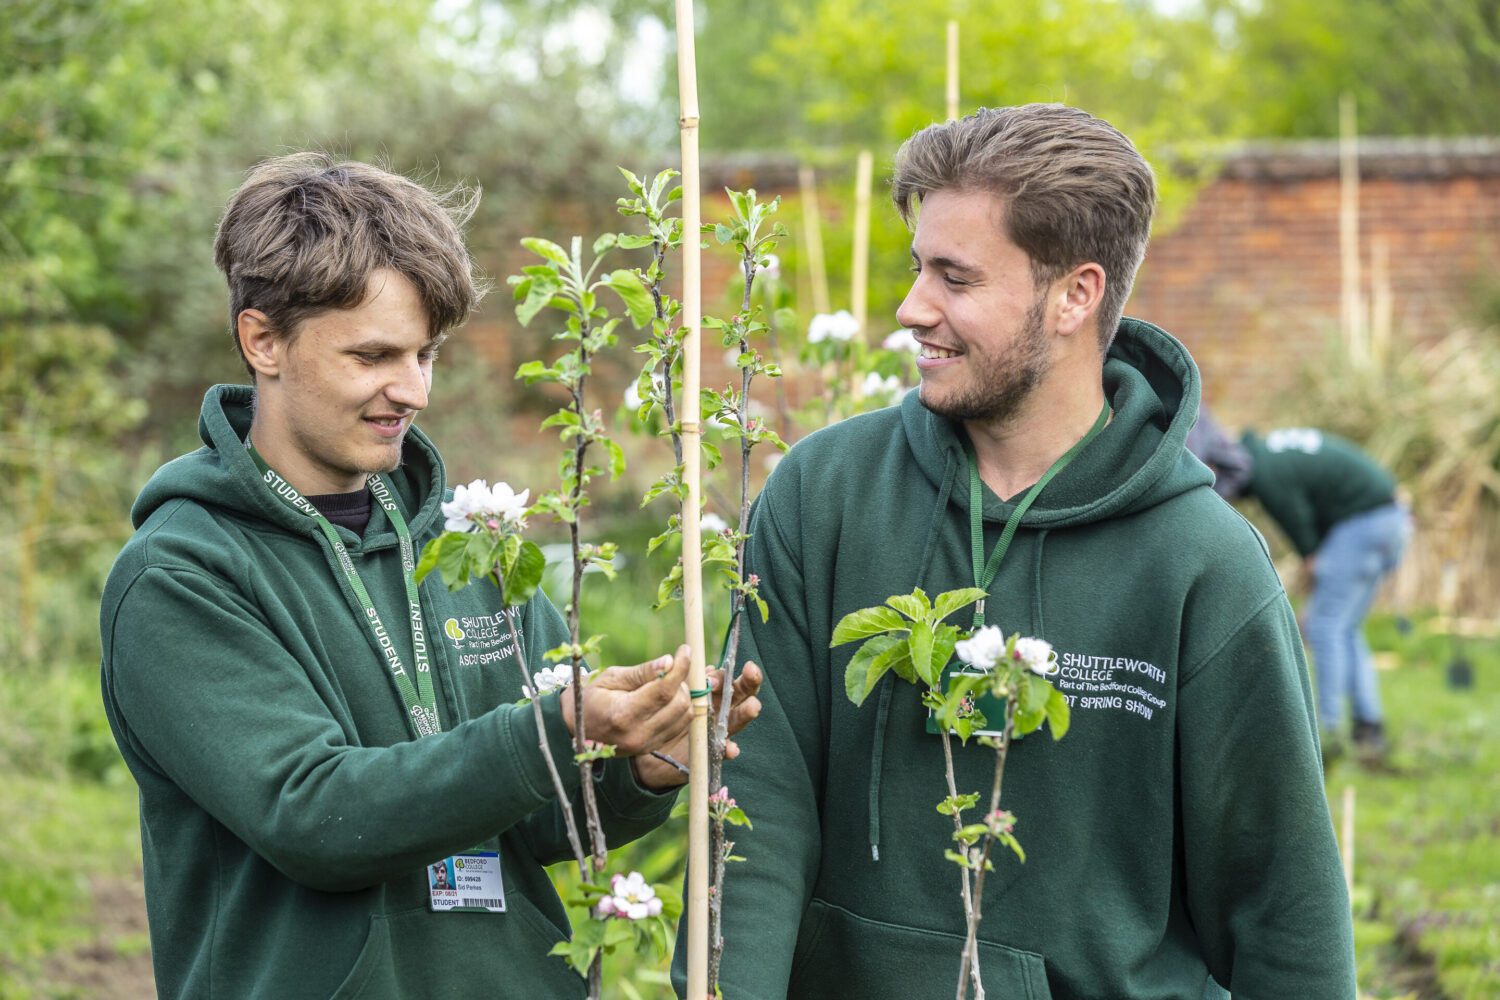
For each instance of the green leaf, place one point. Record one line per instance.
(944, 641)
(539, 295)
(898, 658)
(857, 684)
(627, 241)
(451, 558)
(950, 601)
(429, 559)
(562, 418)
(1059, 714)
(547, 249)
(866, 622)
(920, 644)
(605, 242)
(616, 459)
(913, 605)
(638, 302)
(535, 371)
(525, 574)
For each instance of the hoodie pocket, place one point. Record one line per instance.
(418, 953)
(843, 954)
(376, 954)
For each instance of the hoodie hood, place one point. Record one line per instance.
(222, 475)
(1136, 462)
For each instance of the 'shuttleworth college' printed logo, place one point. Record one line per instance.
(480, 640)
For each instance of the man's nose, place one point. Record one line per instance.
(916, 310)
(411, 385)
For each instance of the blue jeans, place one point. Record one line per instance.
(1354, 557)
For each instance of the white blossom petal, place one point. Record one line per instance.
(983, 649)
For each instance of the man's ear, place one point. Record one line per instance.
(260, 344)
(1078, 295)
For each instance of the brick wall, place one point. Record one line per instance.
(1250, 276)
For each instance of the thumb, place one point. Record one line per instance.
(644, 673)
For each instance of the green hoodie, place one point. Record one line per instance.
(1308, 481)
(1180, 827)
(287, 815)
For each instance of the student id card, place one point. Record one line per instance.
(467, 882)
(992, 707)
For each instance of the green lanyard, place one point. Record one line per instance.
(420, 699)
(984, 572)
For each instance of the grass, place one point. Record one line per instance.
(1427, 830)
(63, 829)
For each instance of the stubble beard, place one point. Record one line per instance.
(1005, 382)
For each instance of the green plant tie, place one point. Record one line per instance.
(419, 698)
(984, 572)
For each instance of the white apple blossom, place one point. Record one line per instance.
(901, 340)
(889, 387)
(840, 326)
(479, 501)
(1037, 655)
(983, 649)
(631, 898)
(550, 679)
(712, 524)
(770, 265)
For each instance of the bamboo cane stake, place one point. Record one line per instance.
(952, 90)
(1348, 845)
(1382, 301)
(1351, 305)
(692, 562)
(859, 289)
(812, 238)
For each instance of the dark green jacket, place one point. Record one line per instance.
(1180, 827)
(287, 815)
(1308, 481)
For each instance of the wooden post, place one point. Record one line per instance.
(1351, 313)
(860, 279)
(692, 561)
(812, 238)
(952, 91)
(1348, 838)
(1382, 302)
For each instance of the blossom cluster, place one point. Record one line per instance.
(630, 898)
(479, 504)
(986, 648)
(901, 340)
(550, 679)
(840, 326)
(887, 387)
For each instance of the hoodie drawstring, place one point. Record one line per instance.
(1039, 627)
(883, 708)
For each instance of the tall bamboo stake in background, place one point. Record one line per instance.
(812, 238)
(692, 561)
(952, 89)
(859, 286)
(1351, 313)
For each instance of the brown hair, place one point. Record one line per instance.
(304, 232)
(1075, 189)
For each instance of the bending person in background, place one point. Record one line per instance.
(1178, 834)
(312, 733)
(1338, 508)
